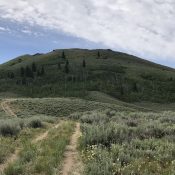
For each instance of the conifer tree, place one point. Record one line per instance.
(84, 63)
(63, 55)
(98, 55)
(22, 71)
(28, 72)
(12, 75)
(121, 91)
(24, 81)
(42, 71)
(59, 65)
(8, 74)
(135, 89)
(38, 73)
(34, 69)
(66, 68)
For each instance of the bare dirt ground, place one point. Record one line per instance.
(72, 164)
(45, 134)
(13, 157)
(10, 160)
(5, 104)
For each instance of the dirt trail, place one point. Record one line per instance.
(6, 107)
(72, 164)
(45, 134)
(14, 156)
(10, 160)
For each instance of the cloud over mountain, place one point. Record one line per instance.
(142, 27)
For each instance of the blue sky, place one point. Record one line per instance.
(143, 28)
(20, 38)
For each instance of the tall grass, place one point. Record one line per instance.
(44, 157)
(14, 131)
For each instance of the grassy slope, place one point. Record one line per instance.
(117, 74)
(104, 98)
(60, 107)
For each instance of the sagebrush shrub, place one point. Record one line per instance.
(35, 123)
(8, 129)
(134, 142)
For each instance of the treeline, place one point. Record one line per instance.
(30, 72)
(82, 76)
(33, 71)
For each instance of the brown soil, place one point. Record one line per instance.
(10, 160)
(45, 134)
(13, 157)
(6, 107)
(72, 164)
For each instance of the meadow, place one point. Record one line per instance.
(117, 138)
(128, 143)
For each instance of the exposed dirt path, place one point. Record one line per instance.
(5, 104)
(72, 164)
(45, 134)
(14, 156)
(10, 160)
(40, 137)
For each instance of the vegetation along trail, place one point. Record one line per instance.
(45, 134)
(5, 106)
(10, 160)
(72, 164)
(14, 156)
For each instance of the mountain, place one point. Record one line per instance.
(79, 72)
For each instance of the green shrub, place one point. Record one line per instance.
(100, 162)
(35, 123)
(14, 169)
(137, 142)
(132, 123)
(7, 147)
(9, 129)
(94, 117)
(28, 153)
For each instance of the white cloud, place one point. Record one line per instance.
(26, 31)
(5, 30)
(2, 29)
(143, 27)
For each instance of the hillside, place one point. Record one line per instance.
(78, 72)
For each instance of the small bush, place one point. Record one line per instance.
(36, 123)
(8, 129)
(93, 118)
(132, 123)
(29, 152)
